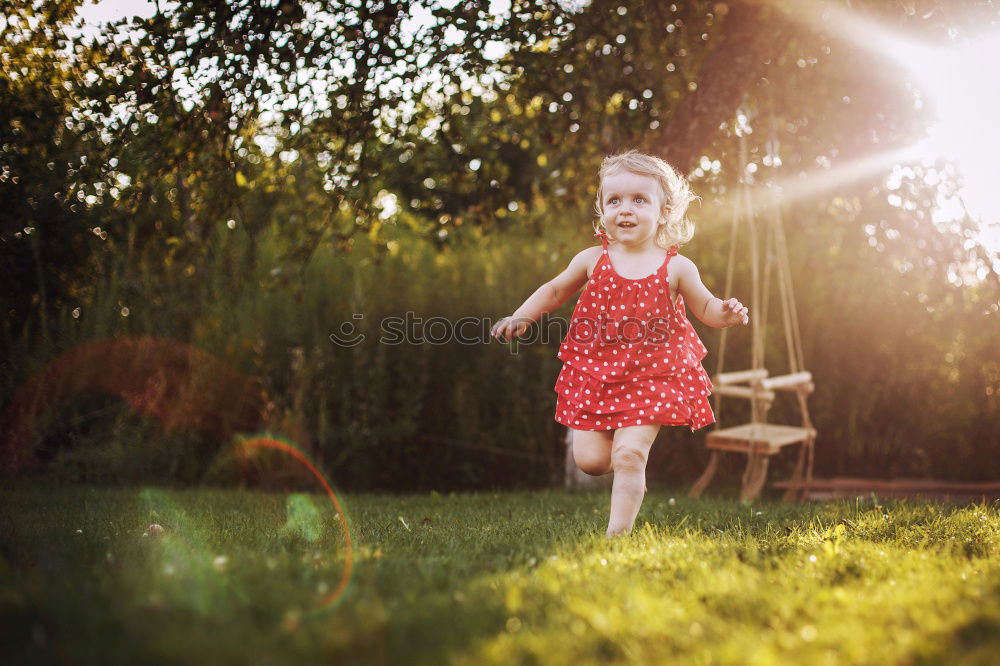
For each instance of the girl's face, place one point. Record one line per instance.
(631, 206)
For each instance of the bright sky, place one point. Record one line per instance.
(96, 13)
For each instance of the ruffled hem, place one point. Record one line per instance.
(586, 403)
(581, 419)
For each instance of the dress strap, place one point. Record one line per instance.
(671, 252)
(603, 235)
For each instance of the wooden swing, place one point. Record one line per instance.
(759, 440)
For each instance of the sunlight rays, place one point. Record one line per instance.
(961, 85)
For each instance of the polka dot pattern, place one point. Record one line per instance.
(642, 365)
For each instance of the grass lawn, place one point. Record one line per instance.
(240, 577)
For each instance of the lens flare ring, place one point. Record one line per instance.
(181, 386)
(269, 441)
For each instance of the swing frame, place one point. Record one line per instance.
(758, 439)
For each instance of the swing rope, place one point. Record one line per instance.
(776, 263)
(720, 362)
(758, 439)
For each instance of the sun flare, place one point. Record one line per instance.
(962, 86)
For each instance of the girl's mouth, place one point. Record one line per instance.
(626, 225)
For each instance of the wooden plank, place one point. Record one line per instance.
(744, 392)
(947, 496)
(724, 378)
(841, 483)
(792, 381)
(849, 488)
(759, 448)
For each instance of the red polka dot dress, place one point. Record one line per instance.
(630, 357)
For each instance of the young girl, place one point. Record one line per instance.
(631, 359)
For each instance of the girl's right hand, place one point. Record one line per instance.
(509, 327)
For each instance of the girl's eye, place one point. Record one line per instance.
(639, 199)
(613, 200)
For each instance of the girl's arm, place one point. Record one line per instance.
(712, 311)
(546, 298)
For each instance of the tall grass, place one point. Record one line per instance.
(899, 390)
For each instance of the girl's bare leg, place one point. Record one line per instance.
(629, 453)
(592, 451)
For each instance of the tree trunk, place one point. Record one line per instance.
(752, 36)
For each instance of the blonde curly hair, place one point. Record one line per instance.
(675, 228)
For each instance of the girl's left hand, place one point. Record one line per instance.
(734, 312)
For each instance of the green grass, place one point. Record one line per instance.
(492, 578)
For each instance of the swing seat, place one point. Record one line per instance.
(760, 441)
(764, 439)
